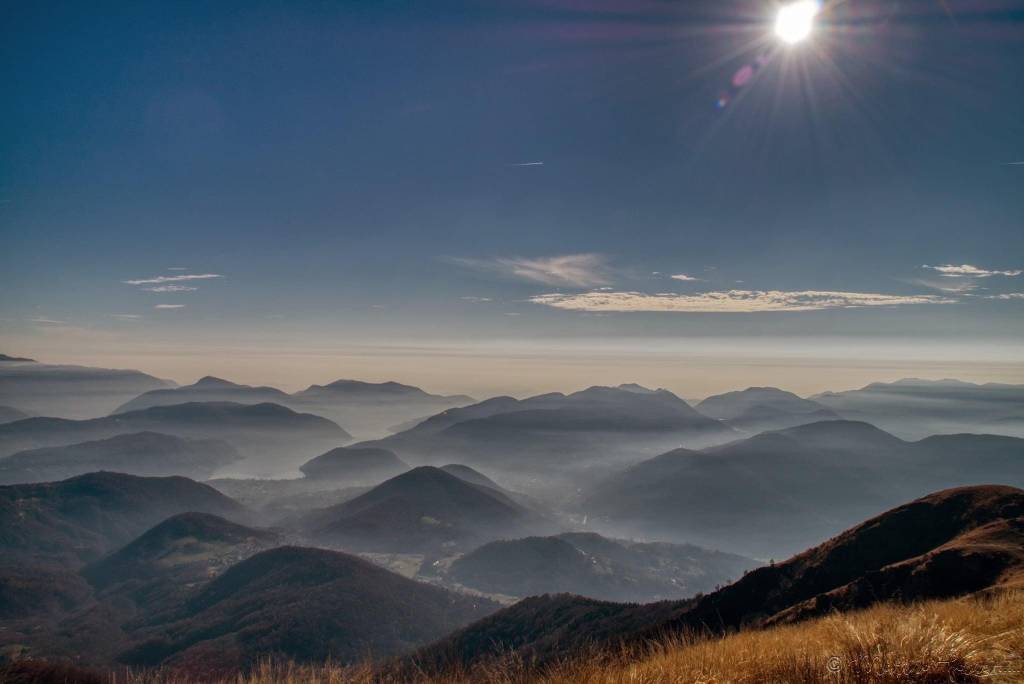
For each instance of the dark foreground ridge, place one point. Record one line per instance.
(304, 604)
(949, 543)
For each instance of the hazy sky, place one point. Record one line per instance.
(515, 196)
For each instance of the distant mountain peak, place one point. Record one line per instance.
(376, 391)
(354, 463)
(421, 508)
(180, 540)
(859, 430)
(5, 357)
(923, 382)
(471, 475)
(634, 387)
(769, 391)
(211, 381)
(756, 409)
(388, 386)
(624, 392)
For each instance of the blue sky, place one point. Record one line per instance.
(497, 177)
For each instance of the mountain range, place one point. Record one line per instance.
(595, 566)
(202, 594)
(914, 408)
(604, 520)
(354, 465)
(78, 519)
(82, 392)
(948, 543)
(9, 414)
(189, 546)
(207, 388)
(139, 453)
(425, 509)
(372, 408)
(757, 409)
(271, 438)
(147, 579)
(48, 532)
(69, 391)
(304, 604)
(776, 492)
(367, 408)
(555, 439)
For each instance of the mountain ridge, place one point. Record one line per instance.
(135, 453)
(778, 491)
(261, 432)
(424, 508)
(865, 564)
(335, 606)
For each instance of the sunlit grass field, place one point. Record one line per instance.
(976, 639)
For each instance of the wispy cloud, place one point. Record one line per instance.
(475, 300)
(969, 271)
(533, 163)
(951, 285)
(684, 277)
(41, 320)
(570, 270)
(157, 280)
(731, 301)
(126, 317)
(1007, 295)
(169, 306)
(171, 288)
(177, 268)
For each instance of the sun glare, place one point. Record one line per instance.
(796, 20)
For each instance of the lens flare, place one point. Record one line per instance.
(795, 21)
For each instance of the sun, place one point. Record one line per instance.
(795, 20)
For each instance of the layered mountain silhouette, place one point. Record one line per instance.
(913, 408)
(777, 492)
(367, 408)
(271, 438)
(189, 547)
(208, 388)
(81, 518)
(140, 453)
(36, 591)
(372, 408)
(557, 433)
(9, 414)
(4, 358)
(278, 501)
(949, 543)
(109, 557)
(70, 391)
(306, 605)
(354, 465)
(757, 409)
(595, 566)
(421, 510)
(48, 532)
(148, 579)
(471, 475)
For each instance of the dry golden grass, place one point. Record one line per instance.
(969, 640)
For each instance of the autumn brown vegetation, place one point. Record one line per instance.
(974, 639)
